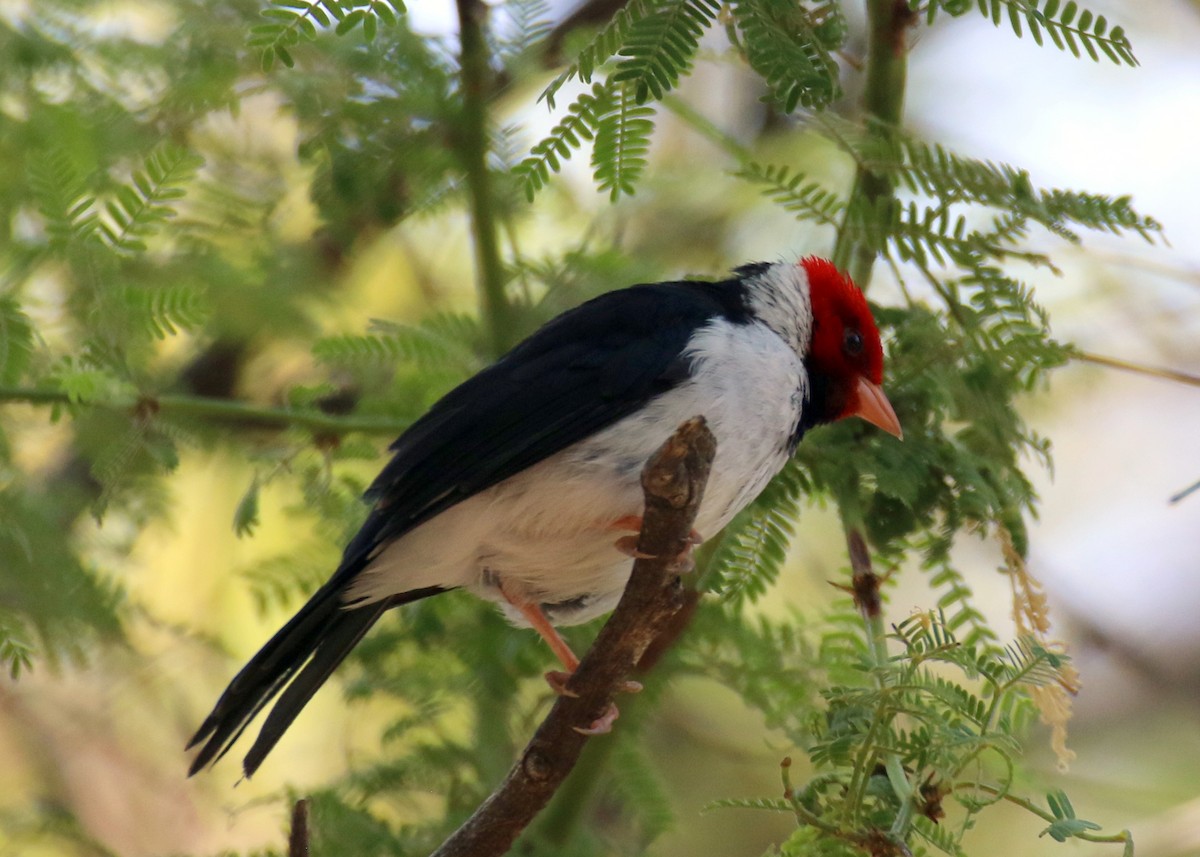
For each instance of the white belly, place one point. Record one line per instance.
(547, 532)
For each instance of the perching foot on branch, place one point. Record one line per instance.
(673, 481)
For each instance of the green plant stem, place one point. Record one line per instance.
(1124, 836)
(886, 76)
(883, 103)
(222, 411)
(472, 145)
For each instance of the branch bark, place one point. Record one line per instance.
(298, 838)
(673, 481)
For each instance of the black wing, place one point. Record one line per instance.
(582, 372)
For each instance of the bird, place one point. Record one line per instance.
(516, 484)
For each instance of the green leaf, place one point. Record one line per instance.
(245, 517)
(64, 199)
(349, 22)
(16, 653)
(660, 47)
(16, 341)
(1069, 27)
(782, 45)
(580, 123)
(604, 46)
(164, 310)
(1066, 825)
(796, 193)
(140, 206)
(619, 153)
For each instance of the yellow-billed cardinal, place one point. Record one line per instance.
(512, 485)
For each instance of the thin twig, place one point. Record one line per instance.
(673, 481)
(298, 839)
(1138, 368)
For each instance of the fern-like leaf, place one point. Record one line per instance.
(1097, 211)
(961, 617)
(782, 45)
(64, 198)
(1027, 661)
(767, 803)
(441, 342)
(754, 547)
(933, 171)
(603, 47)
(85, 383)
(944, 837)
(289, 21)
(139, 207)
(642, 789)
(16, 653)
(16, 340)
(279, 582)
(580, 123)
(1068, 26)
(622, 143)
(659, 48)
(167, 309)
(245, 517)
(795, 193)
(529, 23)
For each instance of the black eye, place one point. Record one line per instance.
(852, 343)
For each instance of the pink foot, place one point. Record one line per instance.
(602, 725)
(628, 546)
(557, 679)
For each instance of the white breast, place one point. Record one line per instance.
(547, 531)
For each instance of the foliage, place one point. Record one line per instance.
(161, 260)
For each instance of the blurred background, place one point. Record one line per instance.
(99, 740)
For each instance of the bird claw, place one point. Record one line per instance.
(685, 563)
(602, 725)
(628, 546)
(557, 679)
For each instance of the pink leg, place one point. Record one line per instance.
(558, 679)
(537, 620)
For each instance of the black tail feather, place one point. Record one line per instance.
(305, 653)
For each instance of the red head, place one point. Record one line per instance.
(845, 357)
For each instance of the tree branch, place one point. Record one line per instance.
(472, 146)
(673, 481)
(215, 410)
(298, 838)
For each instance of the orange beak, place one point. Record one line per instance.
(874, 407)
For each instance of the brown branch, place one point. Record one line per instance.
(298, 839)
(864, 583)
(673, 481)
